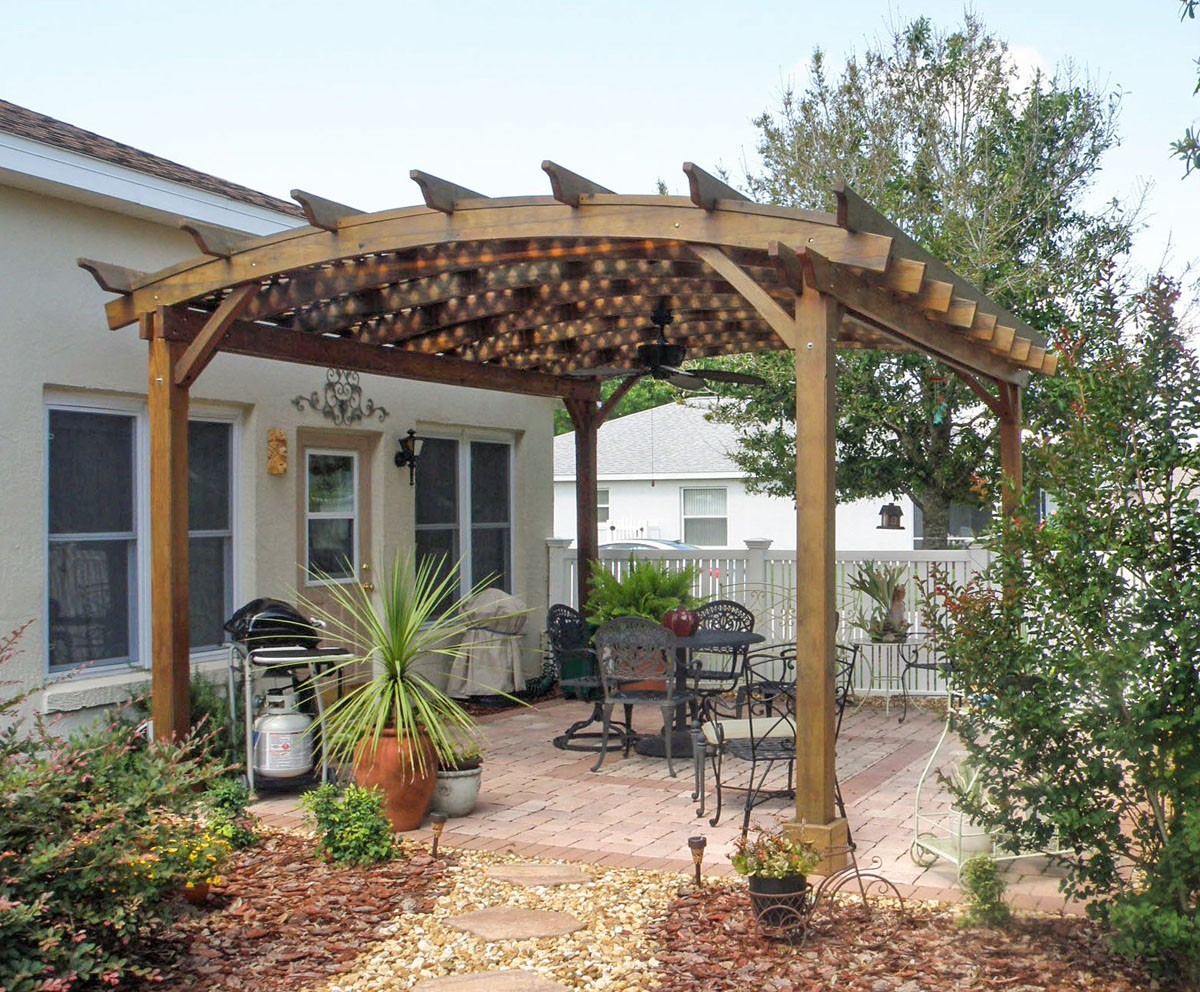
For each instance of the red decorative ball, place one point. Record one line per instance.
(681, 622)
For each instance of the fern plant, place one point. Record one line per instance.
(647, 590)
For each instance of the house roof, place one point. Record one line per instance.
(45, 130)
(672, 440)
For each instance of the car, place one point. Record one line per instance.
(648, 545)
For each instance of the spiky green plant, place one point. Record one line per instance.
(412, 622)
(879, 582)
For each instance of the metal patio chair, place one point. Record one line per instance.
(718, 672)
(574, 664)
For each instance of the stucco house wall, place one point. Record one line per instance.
(57, 204)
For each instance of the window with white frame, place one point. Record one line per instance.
(602, 505)
(331, 515)
(705, 523)
(464, 508)
(98, 530)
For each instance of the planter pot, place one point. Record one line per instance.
(392, 767)
(973, 838)
(456, 792)
(779, 903)
(681, 622)
(196, 894)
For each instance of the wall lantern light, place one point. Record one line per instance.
(890, 517)
(409, 453)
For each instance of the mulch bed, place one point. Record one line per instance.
(713, 943)
(283, 921)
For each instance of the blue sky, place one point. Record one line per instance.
(343, 100)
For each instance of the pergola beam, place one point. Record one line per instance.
(707, 191)
(569, 187)
(205, 344)
(323, 213)
(441, 194)
(780, 321)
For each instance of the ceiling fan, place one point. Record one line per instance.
(661, 359)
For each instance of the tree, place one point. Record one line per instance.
(1187, 148)
(933, 129)
(645, 394)
(1083, 692)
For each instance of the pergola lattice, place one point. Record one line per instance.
(511, 294)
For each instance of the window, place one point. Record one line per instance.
(704, 520)
(464, 508)
(331, 519)
(98, 528)
(601, 506)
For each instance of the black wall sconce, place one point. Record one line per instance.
(409, 453)
(890, 517)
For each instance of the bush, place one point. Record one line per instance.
(984, 887)
(226, 814)
(81, 820)
(352, 828)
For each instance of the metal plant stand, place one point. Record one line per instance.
(793, 917)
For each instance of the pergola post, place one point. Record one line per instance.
(818, 318)
(1010, 447)
(170, 672)
(585, 416)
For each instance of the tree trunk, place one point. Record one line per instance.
(935, 506)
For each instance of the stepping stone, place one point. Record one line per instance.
(491, 981)
(539, 874)
(506, 923)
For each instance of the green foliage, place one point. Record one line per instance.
(226, 813)
(420, 616)
(932, 129)
(209, 718)
(466, 752)
(879, 583)
(1187, 148)
(352, 828)
(984, 887)
(645, 393)
(648, 589)
(84, 826)
(772, 854)
(1080, 645)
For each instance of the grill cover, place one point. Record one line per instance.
(265, 623)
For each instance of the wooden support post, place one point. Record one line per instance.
(1010, 447)
(170, 671)
(817, 321)
(584, 416)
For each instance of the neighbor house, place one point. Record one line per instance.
(290, 466)
(666, 474)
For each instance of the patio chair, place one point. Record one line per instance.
(574, 664)
(718, 672)
(637, 663)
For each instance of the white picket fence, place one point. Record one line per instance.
(766, 583)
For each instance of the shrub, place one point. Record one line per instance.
(226, 814)
(352, 828)
(648, 590)
(981, 881)
(80, 821)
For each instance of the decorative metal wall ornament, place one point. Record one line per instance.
(342, 400)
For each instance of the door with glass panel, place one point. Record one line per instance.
(334, 518)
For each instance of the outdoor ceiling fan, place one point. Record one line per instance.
(661, 360)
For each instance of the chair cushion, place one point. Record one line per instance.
(765, 727)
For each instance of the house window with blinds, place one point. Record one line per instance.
(705, 523)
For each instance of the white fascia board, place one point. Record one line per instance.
(660, 478)
(70, 175)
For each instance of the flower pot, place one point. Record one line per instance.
(681, 622)
(196, 893)
(456, 791)
(392, 767)
(779, 903)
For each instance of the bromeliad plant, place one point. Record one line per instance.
(884, 585)
(772, 854)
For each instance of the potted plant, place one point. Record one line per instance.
(458, 779)
(885, 586)
(776, 867)
(966, 785)
(398, 725)
(647, 589)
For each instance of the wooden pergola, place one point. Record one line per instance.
(519, 294)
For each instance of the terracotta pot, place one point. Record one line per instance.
(681, 622)
(197, 894)
(392, 766)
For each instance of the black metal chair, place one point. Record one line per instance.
(637, 664)
(719, 672)
(574, 664)
(846, 661)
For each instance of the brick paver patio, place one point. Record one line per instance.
(540, 802)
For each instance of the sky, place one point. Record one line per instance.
(342, 100)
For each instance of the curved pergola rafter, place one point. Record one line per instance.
(525, 295)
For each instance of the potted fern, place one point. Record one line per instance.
(647, 589)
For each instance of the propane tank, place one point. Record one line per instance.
(282, 745)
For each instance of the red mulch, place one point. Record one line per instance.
(283, 921)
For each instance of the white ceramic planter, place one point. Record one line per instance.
(456, 792)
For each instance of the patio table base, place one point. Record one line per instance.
(655, 746)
